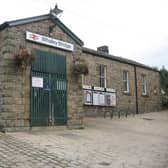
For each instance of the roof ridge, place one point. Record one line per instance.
(40, 18)
(117, 58)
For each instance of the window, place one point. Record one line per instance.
(126, 81)
(144, 85)
(103, 71)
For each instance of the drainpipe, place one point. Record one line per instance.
(136, 90)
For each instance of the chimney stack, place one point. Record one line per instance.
(103, 49)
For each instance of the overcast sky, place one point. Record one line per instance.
(134, 29)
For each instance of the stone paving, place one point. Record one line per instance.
(17, 154)
(135, 142)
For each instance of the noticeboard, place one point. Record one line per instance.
(87, 97)
(95, 98)
(111, 99)
(99, 98)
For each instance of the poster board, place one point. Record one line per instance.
(102, 99)
(110, 99)
(99, 98)
(95, 98)
(87, 97)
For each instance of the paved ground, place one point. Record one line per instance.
(135, 142)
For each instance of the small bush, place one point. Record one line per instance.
(79, 69)
(23, 57)
(165, 102)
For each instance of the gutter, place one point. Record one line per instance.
(136, 91)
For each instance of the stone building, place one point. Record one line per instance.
(50, 90)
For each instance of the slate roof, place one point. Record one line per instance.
(41, 18)
(116, 58)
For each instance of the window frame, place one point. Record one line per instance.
(103, 76)
(126, 81)
(144, 85)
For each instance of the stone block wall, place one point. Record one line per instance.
(15, 83)
(151, 102)
(11, 84)
(114, 80)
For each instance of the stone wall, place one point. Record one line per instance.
(151, 102)
(15, 83)
(11, 84)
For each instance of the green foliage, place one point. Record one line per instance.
(164, 79)
(24, 57)
(165, 102)
(164, 86)
(80, 67)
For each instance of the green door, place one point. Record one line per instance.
(48, 90)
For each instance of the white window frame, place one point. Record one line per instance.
(103, 76)
(126, 81)
(144, 85)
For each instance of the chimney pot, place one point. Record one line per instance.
(103, 49)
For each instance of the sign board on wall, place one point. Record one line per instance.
(95, 98)
(87, 97)
(110, 90)
(37, 38)
(99, 96)
(87, 87)
(98, 88)
(104, 99)
(37, 82)
(110, 99)
(101, 99)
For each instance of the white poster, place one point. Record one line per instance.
(88, 97)
(37, 82)
(111, 99)
(95, 98)
(101, 99)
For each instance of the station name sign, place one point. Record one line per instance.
(37, 38)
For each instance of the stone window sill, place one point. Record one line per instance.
(144, 95)
(127, 93)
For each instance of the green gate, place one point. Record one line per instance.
(48, 90)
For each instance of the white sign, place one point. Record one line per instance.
(98, 88)
(111, 99)
(87, 87)
(101, 99)
(95, 98)
(87, 97)
(110, 90)
(49, 41)
(37, 82)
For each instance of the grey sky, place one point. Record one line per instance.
(133, 29)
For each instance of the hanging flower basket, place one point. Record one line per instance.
(80, 67)
(23, 57)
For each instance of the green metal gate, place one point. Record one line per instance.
(49, 99)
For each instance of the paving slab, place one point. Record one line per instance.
(133, 142)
